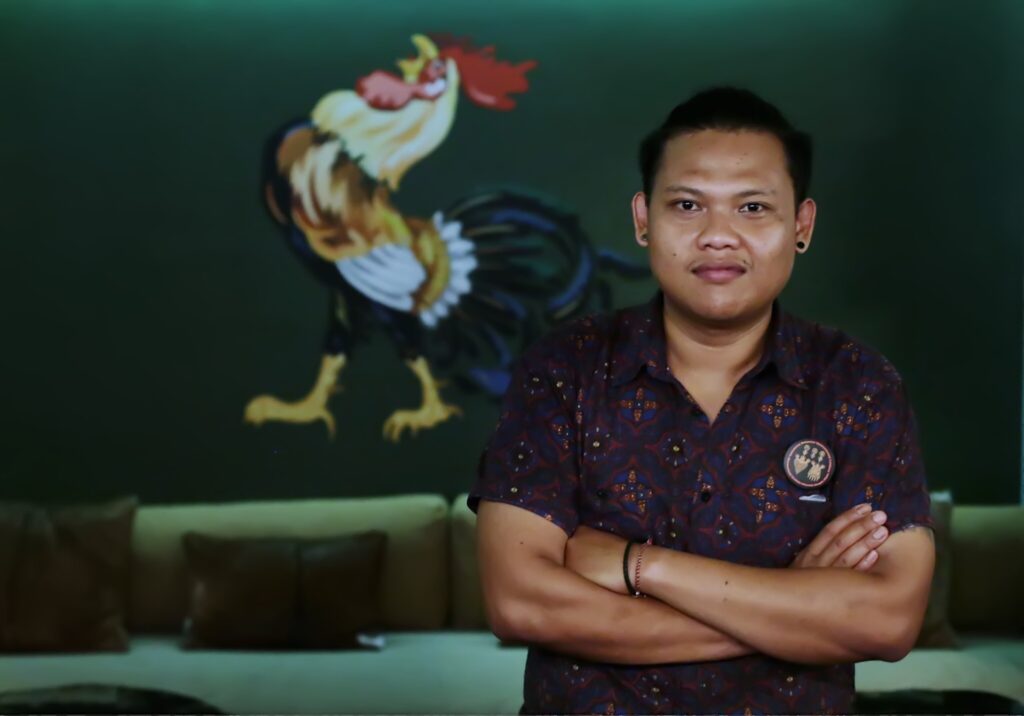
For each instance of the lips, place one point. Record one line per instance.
(719, 272)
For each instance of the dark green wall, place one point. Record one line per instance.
(147, 295)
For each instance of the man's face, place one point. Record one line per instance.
(721, 224)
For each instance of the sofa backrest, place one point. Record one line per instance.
(988, 568)
(415, 571)
(467, 595)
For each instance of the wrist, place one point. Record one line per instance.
(651, 568)
(637, 567)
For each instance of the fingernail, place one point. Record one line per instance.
(879, 517)
(863, 509)
(879, 533)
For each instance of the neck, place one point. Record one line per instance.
(720, 353)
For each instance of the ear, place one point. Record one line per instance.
(640, 218)
(805, 215)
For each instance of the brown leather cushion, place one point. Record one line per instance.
(414, 582)
(64, 575)
(278, 593)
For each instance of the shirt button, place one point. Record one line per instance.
(705, 495)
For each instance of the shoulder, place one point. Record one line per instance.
(583, 342)
(578, 355)
(834, 360)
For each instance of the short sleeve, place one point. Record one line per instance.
(530, 460)
(879, 455)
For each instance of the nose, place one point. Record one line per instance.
(718, 233)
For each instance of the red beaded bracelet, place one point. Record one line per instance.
(636, 572)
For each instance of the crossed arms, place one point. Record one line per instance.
(847, 597)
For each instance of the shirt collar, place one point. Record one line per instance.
(639, 343)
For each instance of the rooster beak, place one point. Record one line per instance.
(427, 51)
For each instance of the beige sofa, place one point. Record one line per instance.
(439, 656)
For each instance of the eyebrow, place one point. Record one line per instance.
(680, 189)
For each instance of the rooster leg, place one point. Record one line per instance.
(307, 410)
(432, 412)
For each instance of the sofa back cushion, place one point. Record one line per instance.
(988, 568)
(467, 594)
(64, 576)
(414, 584)
(282, 592)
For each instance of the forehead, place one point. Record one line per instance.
(717, 156)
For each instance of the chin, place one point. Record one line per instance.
(720, 312)
(723, 310)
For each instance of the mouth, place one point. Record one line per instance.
(719, 273)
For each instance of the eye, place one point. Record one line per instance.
(686, 204)
(754, 207)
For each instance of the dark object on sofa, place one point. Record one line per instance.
(923, 701)
(101, 699)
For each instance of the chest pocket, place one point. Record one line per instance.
(811, 513)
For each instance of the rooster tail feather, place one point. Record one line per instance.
(527, 248)
(536, 267)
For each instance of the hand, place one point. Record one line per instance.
(847, 541)
(597, 556)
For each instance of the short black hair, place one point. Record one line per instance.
(729, 109)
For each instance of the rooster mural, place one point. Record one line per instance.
(454, 290)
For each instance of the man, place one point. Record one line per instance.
(746, 458)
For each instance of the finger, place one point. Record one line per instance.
(869, 559)
(856, 552)
(832, 530)
(850, 535)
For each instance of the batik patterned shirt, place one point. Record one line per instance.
(595, 430)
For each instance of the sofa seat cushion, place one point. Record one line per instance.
(416, 672)
(430, 672)
(994, 664)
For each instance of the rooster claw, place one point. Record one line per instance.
(425, 417)
(264, 408)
